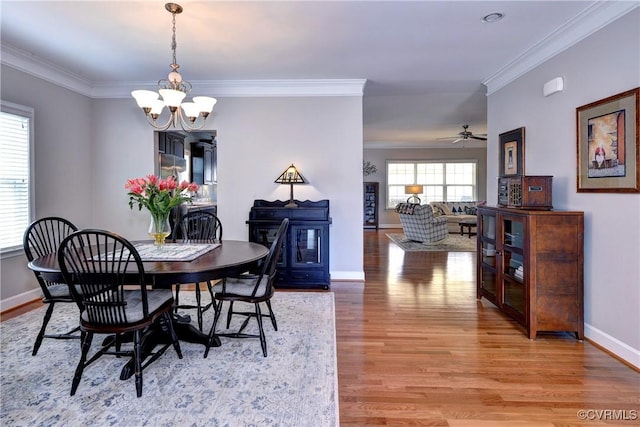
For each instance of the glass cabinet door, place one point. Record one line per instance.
(514, 292)
(306, 243)
(487, 271)
(489, 240)
(265, 235)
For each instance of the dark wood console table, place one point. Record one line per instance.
(304, 262)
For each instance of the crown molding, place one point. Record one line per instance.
(26, 62)
(590, 20)
(406, 145)
(246, 88)
(48, 71)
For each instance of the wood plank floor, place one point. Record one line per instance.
(415, 347)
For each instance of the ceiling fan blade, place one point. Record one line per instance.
(481, 138)
(457, 140)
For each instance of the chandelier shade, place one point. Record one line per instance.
(171, 92)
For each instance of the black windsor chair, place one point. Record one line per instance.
(107, 270)
(201, 227)
(253, 289)
(43, 237)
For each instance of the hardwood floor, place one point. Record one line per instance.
(415, 347)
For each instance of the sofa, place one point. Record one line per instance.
(454, 212)
(419, 223)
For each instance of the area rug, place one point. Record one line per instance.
(295, 385)
(453, 243)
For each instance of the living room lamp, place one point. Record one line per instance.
(173, 90)
(291, 176)
(414, 190)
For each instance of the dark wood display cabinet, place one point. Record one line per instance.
(371, 205)
(530, 265)
(304, 262)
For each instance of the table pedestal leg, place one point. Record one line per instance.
(158, 334)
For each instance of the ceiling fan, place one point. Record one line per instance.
(466, 135)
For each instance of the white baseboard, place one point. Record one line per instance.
(390, 226)
(20, 299)
(355, 276)
(615, 346)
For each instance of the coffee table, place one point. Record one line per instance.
(469, 223)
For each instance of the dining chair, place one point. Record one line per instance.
(105, 273)
(43, 237)
(198, 226)
(252, 289)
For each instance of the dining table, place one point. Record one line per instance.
(227, 258)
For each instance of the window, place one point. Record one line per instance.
(16, 137)
(450, 181)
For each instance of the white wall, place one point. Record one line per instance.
(86, 149)
(604, 64)
(62, 181)
(257, 139)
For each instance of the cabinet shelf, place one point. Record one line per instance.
(547, 246)
(370, 205)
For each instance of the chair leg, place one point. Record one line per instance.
(272, 316)
(229, 314)
(213, 330)
(172, 333)
(176, 299)
(40, 336)
(199, 306)
(263, 340)
(86, 339)
(137, 356)
(214, 304)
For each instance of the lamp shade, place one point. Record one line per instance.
(291, 175)
(413, 189)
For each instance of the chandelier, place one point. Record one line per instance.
(173, 90)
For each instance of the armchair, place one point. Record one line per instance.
(419, 224)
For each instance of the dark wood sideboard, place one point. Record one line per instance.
(304, 262)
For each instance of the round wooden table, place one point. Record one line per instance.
(231, 258)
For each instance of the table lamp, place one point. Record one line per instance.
(414, 190)
(291, 176)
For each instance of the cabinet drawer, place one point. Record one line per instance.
(306, 275)
(307, 214)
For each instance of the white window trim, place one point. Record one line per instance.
(21, 110)
(414, 161)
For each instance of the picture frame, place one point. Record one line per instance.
(511, 160)
(608, 148)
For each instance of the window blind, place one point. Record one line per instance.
(15, 180)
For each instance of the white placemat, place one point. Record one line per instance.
(173, 251)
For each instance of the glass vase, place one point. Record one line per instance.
(159, 228)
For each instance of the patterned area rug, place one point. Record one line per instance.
(295, 385)
(453, 243)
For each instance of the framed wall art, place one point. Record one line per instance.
(512, 153)
(608, 146)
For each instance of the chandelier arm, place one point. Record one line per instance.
(155, 124)
(186, 124)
